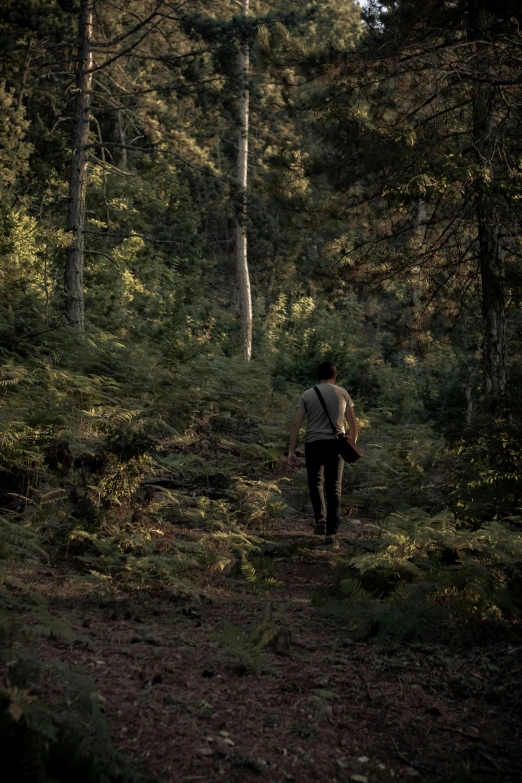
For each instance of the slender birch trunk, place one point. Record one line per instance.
(74, 260)
(243, 277)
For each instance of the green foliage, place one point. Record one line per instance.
(402, 467)
(106, 453)
(147, 454)
(257, 573)
(41, 743)
(347, 600)
(65, 741)
(247, 645)
(484, 482)
(19, 542)
(430, 577)
(14, 149)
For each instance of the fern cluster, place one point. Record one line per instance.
(485, 477)
(70, 740)
(72, 743)
(430, 577)
(257, 573)
(102, 450)
(247, 645)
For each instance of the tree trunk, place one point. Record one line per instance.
(74, 260)
(122, 140)
(243, 277)
(469, 407)
(493, 306)
(270, 285)
(489, 250)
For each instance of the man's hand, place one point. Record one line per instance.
(294, 434)
(353, 432)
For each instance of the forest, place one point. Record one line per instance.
(201, 201)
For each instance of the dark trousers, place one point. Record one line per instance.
(324, 467)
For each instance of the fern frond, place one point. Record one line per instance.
(239, 643)
(255, 578)
(20, 542)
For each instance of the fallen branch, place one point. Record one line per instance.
(453, 730)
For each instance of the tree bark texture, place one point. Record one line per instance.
(122, 140)
(74, 259)
(487, 219)
(493, 305)
(243, 277)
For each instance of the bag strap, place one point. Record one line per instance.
(321, 399)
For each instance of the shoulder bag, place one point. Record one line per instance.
(348, 451)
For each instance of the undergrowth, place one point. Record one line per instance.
(248, 644)
(131, 470)
(131, 475)
(430, 578)
(64, 738)
(64, 742)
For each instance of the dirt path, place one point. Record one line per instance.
(334, 710)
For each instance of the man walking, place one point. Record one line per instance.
(324, 465)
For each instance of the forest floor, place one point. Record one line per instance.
(182, 709)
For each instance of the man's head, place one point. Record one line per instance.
(326, 371)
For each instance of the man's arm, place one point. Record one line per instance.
(353, 432)
(294, 434)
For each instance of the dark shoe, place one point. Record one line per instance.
(320, 528)
(331, 541)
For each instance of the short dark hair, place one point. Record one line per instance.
(325, 371)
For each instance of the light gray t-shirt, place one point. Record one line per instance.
(336, 399)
